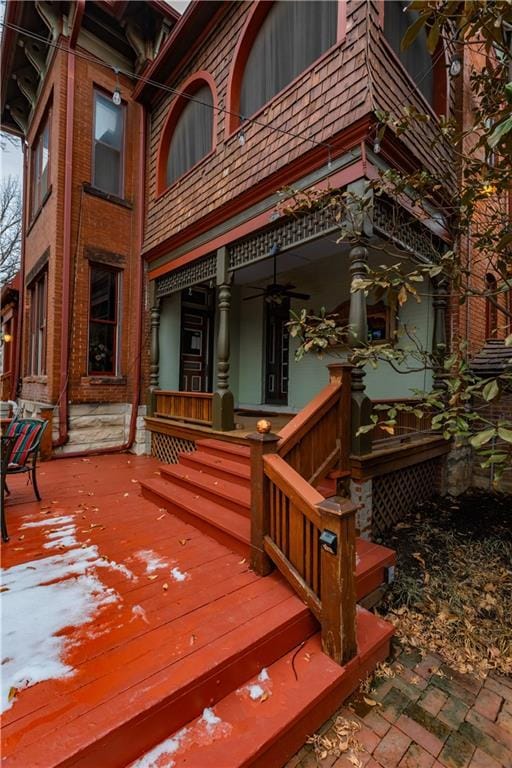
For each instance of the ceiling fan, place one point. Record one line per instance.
(276, 293)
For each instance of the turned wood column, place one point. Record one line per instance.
(223, 402)
(154, 367)
(361, 406)
(439, 341)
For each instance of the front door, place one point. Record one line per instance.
(196, 340)
(277, 344)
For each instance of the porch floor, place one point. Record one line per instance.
(118, 616)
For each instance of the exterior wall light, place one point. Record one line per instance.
(7, 338)
(329, 541)
(455, 66)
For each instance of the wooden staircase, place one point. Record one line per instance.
(300, 686)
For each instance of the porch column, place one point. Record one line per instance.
(223, 403)
(439, 343)
(361, 407)
(154, 367)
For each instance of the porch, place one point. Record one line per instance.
(131, 632)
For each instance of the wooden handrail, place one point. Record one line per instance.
(302, 423)
(185, 395)
(296, 489)
(311, 541)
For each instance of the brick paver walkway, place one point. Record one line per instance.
(427, 716)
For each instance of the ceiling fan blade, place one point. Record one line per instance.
(256, 296)
(293, 295)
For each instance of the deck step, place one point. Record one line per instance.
(226, 492)
(224, 449)
(265, 721)
(228, 469)
(215, 519)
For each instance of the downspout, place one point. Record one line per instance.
(139, 309)
(66, 269)
(21, 295)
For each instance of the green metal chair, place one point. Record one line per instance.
(20, 456)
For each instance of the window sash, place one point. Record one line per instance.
(109, 180)
(38, 325)
(41, 166)
(192, 138)
(96, 324)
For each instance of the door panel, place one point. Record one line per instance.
(196, 348)
(277, 344)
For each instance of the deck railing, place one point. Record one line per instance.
(407, 423)
(195, 407)
(311, 540)
(318, 438)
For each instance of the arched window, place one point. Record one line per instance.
(192, 134)
(416, 57)
(292, 35)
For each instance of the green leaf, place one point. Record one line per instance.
(413, 32)
(508, 341)
(490, 390)
(505, 434)
(500, 132)
(481, 438)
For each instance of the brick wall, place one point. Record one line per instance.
(98, 225)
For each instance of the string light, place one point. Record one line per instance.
(116, 96)
(162, 87)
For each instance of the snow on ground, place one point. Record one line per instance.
(44, 597)
(204, 730)
(151, 560)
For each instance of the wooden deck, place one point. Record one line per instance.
(124, 622)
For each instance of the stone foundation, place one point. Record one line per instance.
(94, 425)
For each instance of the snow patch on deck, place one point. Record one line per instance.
(258, 689)
(202, 731)
(178, 575)
(151, 560)
(40, 600)
(49, 521)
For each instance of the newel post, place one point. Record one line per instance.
(439, 342)
(338, 566)
(262, 442)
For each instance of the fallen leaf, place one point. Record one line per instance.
(182, 542)
(161, 517)
(370, 702)
(153, 577)
(165, 587)
(12, 693)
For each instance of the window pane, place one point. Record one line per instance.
(103, 294)
(45, 158)
(107, 169)
(101, 348)
(108, 126)
(293, 35)
(192, 137)
(416, 58)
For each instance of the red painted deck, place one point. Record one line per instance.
(160, 646)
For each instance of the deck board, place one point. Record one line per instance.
(121, 655)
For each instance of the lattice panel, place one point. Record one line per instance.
(287, 233)
(394, 494)
(399, 225)
(167, 448)
(191, 274)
